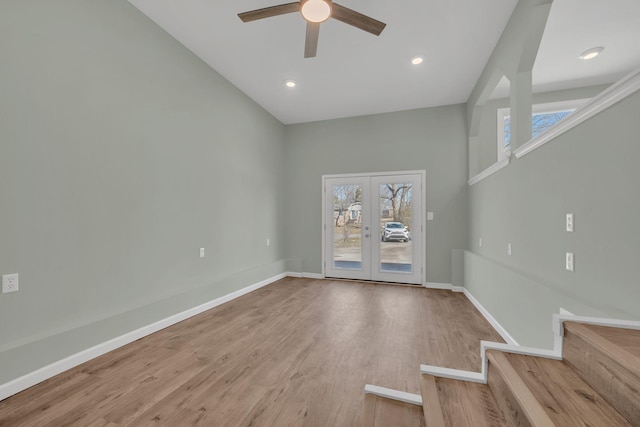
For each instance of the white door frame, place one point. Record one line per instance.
(422, 208)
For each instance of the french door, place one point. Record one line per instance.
(373, 227)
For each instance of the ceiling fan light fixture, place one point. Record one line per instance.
(591, 53)
(316, 11)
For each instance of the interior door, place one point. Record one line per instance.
(373, 227)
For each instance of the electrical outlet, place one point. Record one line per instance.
(480, 242)
(509, 249)
(569, 262)
(201, 252)
(10, 283)
(268, 242)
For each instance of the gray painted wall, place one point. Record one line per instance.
(590, 171)
(488, 130)
(431, 139)
(121, 154)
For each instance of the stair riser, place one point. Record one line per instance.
(613, 381)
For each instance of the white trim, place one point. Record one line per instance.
(616, 92)
(346, 274)
(566, 312)
(614, 323)
(454, 374)
(388, 393)
(487, 315)
(364, 175)
(293, 274)
(304, 275)
(22, 383)
(490, 170)
(569, 105)
(518, 349)
(501, 115)
(555, 354)
(447, 286)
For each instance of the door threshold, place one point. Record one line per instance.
(373, 282)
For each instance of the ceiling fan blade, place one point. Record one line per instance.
(268, 12)
(357, 19)
(311, 41)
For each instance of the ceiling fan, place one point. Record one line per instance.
(316, 12)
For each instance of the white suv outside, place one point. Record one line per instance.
(395, 231)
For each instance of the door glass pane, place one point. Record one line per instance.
(396, 246)
(347, 226)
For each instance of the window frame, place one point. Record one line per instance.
(543, 108)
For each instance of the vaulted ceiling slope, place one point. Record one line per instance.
(356, 73)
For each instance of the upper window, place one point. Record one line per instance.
(544, 116)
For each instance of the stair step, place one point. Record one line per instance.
(455, 403)
(627, 339)
(608, 359)
(382, 412)
(516, 401)
(565, 397)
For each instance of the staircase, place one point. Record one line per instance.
(591, 379)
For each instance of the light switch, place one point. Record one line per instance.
(570, 222)
(570, 261)
(429, 216)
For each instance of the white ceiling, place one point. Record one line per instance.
(356, 73)
(577, 25)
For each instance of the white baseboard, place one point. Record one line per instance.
(487, 315)
(388, 393)
(453, 374)
(46, 372)
(555, 354)
(304, 275)
(435, 285)
(293, 274)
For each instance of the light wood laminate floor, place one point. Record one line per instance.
(296, 352)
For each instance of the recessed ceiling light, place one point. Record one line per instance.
(417, 60)
(591, 53)
(290, 83)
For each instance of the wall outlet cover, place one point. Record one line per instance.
(10, 283)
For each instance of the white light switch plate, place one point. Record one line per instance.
(570, 262)
(570, 222)
(429, 216)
